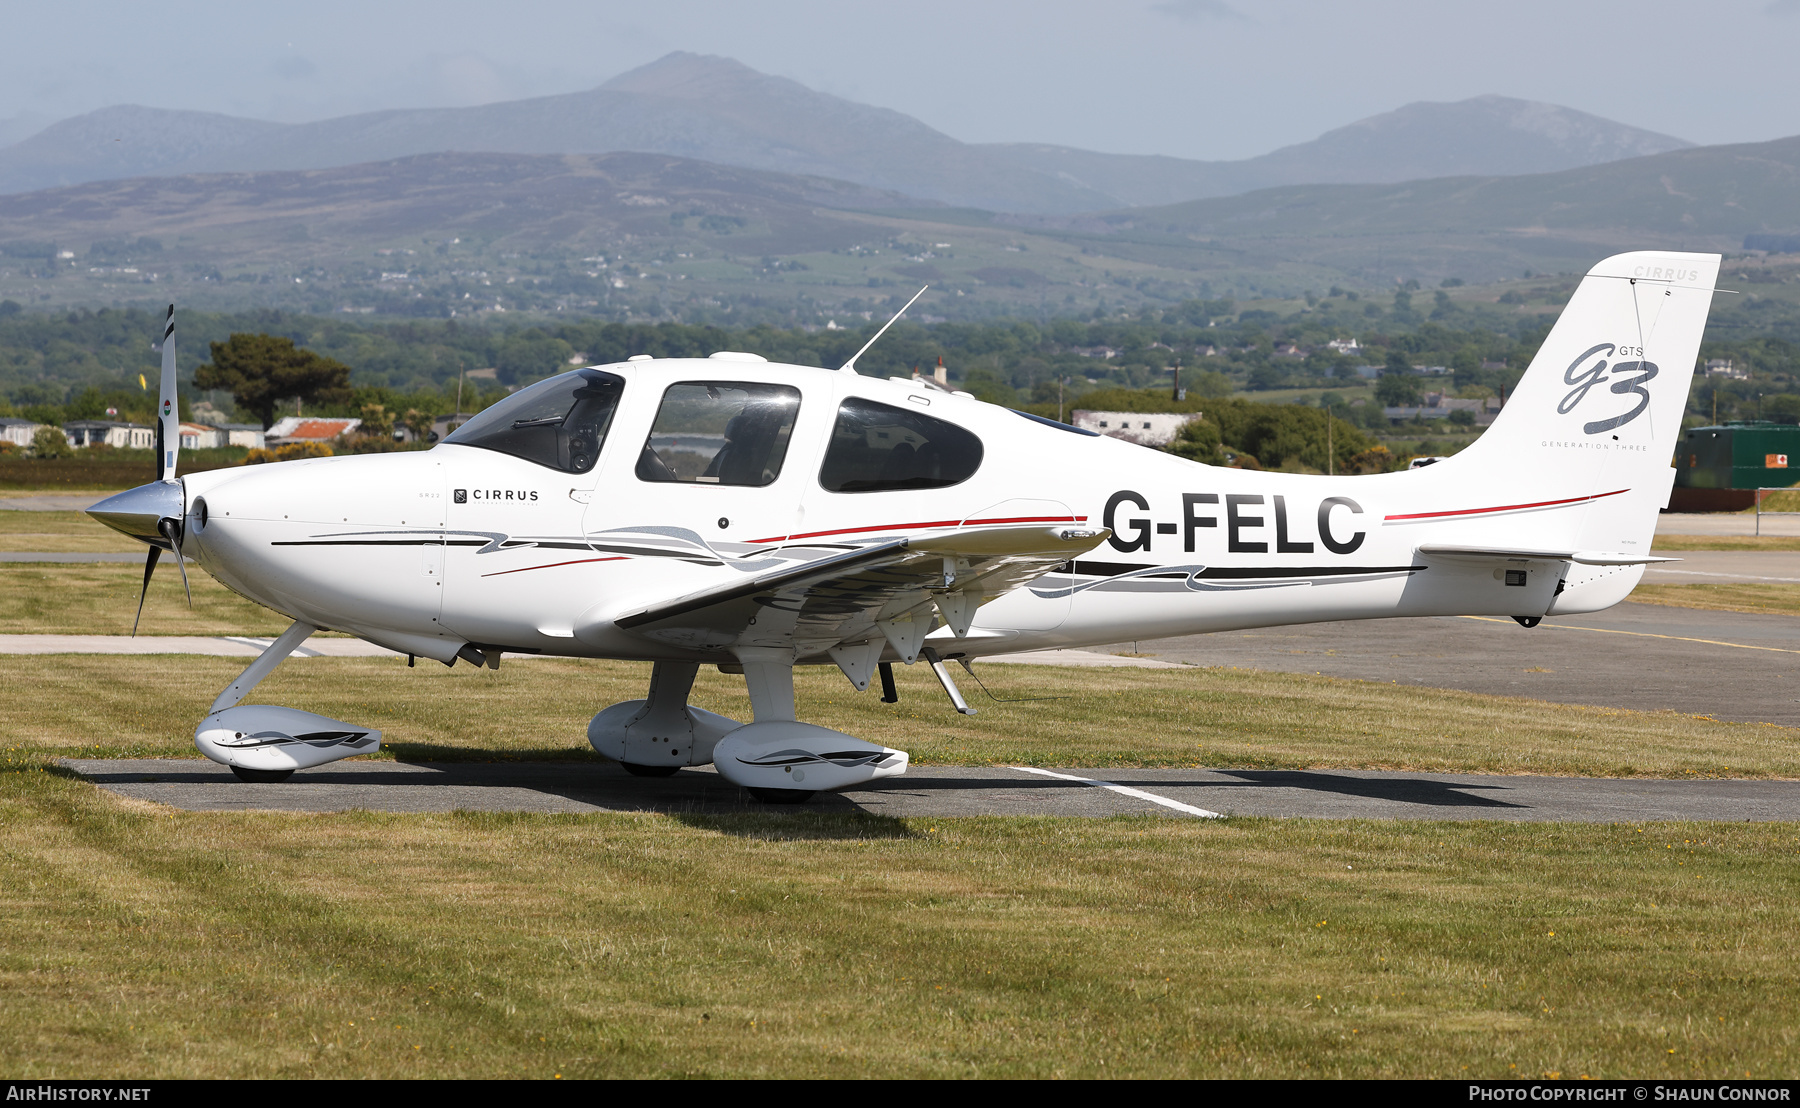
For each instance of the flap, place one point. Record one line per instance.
(819, 600)
(1521, 554)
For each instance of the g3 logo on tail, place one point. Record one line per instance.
(1628, 377)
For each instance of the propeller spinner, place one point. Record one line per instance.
(155, 513)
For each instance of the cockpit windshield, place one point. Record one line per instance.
(559, 423)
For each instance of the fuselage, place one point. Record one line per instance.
(426, 551)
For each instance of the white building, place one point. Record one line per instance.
(1143, 428)
(19, 432)
(124, 436)
(196, 436)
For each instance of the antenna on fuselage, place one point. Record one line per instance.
(850, 366)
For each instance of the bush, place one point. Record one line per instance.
(291, 452)
(50, 442)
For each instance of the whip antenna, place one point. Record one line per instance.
(850, 366)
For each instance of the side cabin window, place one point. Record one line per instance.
(559, 423)
(720, 433)
(878, 448)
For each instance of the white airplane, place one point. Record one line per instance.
(732, 512)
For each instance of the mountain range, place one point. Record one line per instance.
(717, 110)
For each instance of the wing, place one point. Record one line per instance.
(892, 588)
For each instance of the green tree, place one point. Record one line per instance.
(263, 370)
(1397, 390)
(987, 385)
(50, 442)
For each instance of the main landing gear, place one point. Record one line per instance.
(776, 759)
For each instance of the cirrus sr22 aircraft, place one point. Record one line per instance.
(732, 512)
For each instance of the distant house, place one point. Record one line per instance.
(1143, 428)
(97, 432)
(243, 434)
(1207, 351)
(1368, 371)
(1432, 370)
(445, 424)
(19, 432)
(1094, 351)
(1289, 350)
(1439, 406)
(292, 429)
(938, 378)
(201, 436)
(1344, 346)
(1501, 364)
(1722, 367)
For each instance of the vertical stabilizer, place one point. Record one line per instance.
(1596, 418)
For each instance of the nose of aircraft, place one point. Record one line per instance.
(140, 512)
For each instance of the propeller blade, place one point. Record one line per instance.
(170, 531)
(149, 568)
(168, 409)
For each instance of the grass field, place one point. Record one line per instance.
(1780, 600)
(1670, 544)
(151, 943)
(111, 706)
(45, 598)
(147, 942)
(61, 533)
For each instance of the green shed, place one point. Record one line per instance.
(1719, 469)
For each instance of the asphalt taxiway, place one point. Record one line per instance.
(950, 791)
(1728, 665)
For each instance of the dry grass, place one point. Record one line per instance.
(62, 533)
(1674, 544)
(42, 598)
(105, 706)
(160, 944)
(1778, 600)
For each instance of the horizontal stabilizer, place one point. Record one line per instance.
(1519, 554)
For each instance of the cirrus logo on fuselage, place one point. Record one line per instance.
(1590, 369)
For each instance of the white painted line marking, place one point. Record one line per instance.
(1125, 790)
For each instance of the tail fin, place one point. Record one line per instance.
(1598, 413)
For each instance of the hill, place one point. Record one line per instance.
(718, 110)
(1486, 135)
(647, 236)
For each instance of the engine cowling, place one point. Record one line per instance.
(267, 737)
(786, 755)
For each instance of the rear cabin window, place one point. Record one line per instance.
(720, 433)
(877, 448)
(559, 423)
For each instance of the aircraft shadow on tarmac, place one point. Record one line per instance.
(1399, 790)
(607, 786)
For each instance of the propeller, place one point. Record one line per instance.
(154, 513)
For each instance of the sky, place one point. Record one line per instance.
(1208, 79)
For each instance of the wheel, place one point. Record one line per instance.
(782, 796)
(262, 776)
(638, 769)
